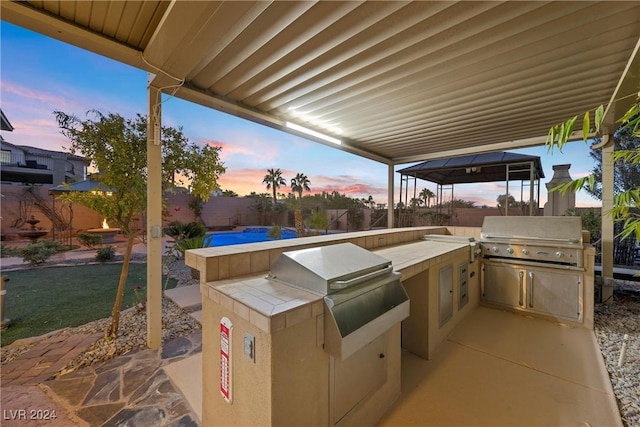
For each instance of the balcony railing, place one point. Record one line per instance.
(17, 160)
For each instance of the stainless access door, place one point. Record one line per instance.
(554, 292)
(359, 375)
(503, 284)
(446, 294)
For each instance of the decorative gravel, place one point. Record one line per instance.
(612, 323)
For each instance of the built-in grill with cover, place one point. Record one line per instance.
(534, 264)
(363, 296)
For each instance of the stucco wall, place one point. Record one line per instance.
(11, 213)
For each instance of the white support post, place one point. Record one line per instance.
(607, 223)
(390, 185)
(154, 220)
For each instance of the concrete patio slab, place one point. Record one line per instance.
(187, 297)
(186, 375)
(197, 315)
(492, 371)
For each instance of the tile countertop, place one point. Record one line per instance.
(272, 306)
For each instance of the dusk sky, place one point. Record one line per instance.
(40, 75)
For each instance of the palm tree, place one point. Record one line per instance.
(274, 180)
(427, 195)
(371, 202)
(299, 184)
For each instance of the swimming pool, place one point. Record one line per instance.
(248, 235)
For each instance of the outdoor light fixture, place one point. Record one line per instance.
(313, 133)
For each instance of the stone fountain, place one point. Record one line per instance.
(32, 233)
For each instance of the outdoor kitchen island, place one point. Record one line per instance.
(265, 358)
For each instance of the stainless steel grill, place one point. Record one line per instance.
(534, 264)
(363, 296)
(548, 239)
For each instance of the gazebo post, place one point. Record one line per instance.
(531, 179)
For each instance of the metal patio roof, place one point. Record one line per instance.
(396, 81)
(485, 167)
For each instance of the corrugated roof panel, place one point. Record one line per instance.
(402, 80)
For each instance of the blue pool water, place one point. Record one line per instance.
(248, 235)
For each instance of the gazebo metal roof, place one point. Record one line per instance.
(485, 167)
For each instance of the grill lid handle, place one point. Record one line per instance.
(505, 236)
(341, 284)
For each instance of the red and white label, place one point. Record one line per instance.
(225, 358)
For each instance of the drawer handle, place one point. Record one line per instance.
(530, 295)
(521, 276)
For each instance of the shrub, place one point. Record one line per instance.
(192, 243)
(55, 245)
(37, 252)
(179, 230)
(5, 251)
(105, 254)
(319, 221)
(275, 232)
(90, 240)
(140, 297)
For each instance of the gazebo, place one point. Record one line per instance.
(64, 232)
(476, 168)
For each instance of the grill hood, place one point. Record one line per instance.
(328, 269)
(363, 295)
(564, 229)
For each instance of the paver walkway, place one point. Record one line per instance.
(46, 358)
(128, 390)
(131, 390)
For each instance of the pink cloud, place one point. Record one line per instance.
(228, 149)
(29, 94)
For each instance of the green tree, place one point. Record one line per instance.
(505, 200)
(229, 193)
(460, 203)
(261, 205)
(274, 181)
(117, 148)
(626, 203)
(625, 175)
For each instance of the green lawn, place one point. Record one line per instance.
(46, 299)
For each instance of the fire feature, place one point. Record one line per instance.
(107, 234)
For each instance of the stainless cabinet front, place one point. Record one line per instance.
(445, 292)
(503, 284)
(545, 290)
(554, 292)
(359, 375)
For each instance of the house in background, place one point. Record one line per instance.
(21, 164)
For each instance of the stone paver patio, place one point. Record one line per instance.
(128, 390)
